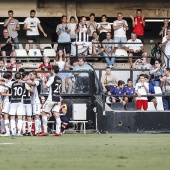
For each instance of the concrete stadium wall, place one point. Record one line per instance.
(57, 8)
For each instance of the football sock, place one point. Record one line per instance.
(44, 120)
(23, 126)
(13, 127)
(19, 125)
(29, 125)
(2, 125)
(40, 126)
(6, 122)
(63, 126)
(58, 125)
(36, 126)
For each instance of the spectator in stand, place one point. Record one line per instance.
(156, 73)
(66, 79)
(82, 31)
(134, 49)
(142, 63)
(142, 88)
(165, 85)
(13, 26)
(31, 25)
(166, 44)
(60, 60)
(138, 23)
(45, 66)
(103, 28)
(63, 32)
(73, 21)
(151, 98)
(13, 65)
(129, 90)
(2, 68)
(119, 90)
(6, 45)
(92, 25)
(108, 80)
(109, 50)
(120, 26)
(163, 31)
(83, 78)
(96, 48)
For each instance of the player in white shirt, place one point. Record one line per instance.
(6, 104)
(16, 106)
(142, 88)
(31, 25)
(35, 100)
(53, 100)
(27, 106)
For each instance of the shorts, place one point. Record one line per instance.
(142, 103)
(36, 107)
(137, 54)
(27, 110)
(67, 47)
(5, 107)
(33, 38)
(120, 40)
(150, 98)
(130, 99)
(51, 106)
(8, 53)
(16, 109)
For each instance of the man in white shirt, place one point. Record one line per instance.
(92, 25)
(103, 28)
(31, 25)
(142, 88)
(166, 43)
(120, 26)
(134, 47)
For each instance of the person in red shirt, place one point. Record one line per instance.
(138, 24)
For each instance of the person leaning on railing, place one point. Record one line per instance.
(108, 80)
(156, 72)
(165, 85)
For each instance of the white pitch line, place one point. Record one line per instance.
(6, 143)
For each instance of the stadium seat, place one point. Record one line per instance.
(131, 106)
(43, 46)
(117, 106)
(55, 47)
(34, 52)
(159, 99)
(121, 52)
(49, 52)
(21, 46)
(21, 53)
(151, 106)
(27, 47)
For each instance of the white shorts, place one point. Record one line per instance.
(51, 106)
(27, 110)
(5, 107)
(16, 109)
(36, 108)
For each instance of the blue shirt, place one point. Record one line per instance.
(116, 91)
(151, 89)
(129, 91)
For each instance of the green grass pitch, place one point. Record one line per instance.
(86, 152)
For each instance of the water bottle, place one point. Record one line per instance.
(35, 53)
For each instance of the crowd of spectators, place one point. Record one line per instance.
(88, 37)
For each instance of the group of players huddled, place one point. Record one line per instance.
(20, 100)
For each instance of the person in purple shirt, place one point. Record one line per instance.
(129, 90)
(119, 91)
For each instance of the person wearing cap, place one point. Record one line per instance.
(142, 63)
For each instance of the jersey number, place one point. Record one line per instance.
(18, 91)
(58, 87)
